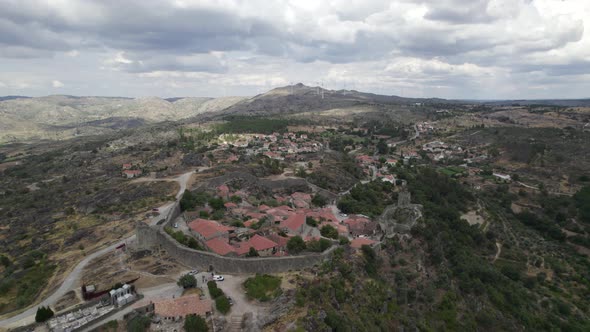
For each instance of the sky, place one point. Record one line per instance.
(461, 49)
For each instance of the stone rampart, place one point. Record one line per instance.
(155, 237)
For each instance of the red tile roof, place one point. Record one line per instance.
(230, 205)
(182, 306)
(360, 241)
(263, 207)
(261, 243)
(257, 242)
(294, 222)
(132, 171)
(208, 228)
(220, 246)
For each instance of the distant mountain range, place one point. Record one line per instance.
(60, 116)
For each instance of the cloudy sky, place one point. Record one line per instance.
(476, 49)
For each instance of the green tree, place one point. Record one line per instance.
(252, 252)
(222, 304)
(296, 245)
(319, 200)
(43, 314)
(138, 324)
(216, 203)
(195, 323)
(382, 147)
(329, 231)
(187, 281)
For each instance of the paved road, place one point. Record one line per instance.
(27, 316)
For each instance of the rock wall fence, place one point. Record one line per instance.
(155, 237)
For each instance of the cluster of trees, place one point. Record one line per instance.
(369, 198)
(195, 323)
(546, 227)
(43, 314)
(183, 239)
(191, 200)
(250, 124)
(221, 301)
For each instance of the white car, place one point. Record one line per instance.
(217, 277)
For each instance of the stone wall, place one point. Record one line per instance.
(155, 237)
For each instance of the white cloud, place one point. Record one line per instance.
(57, 84)
(452, 48)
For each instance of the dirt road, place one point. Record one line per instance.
(28, 316)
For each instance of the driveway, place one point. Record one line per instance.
(232, 287)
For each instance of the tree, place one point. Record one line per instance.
(252, 252)
(311, 222)
(222, 304)
(309, 165)
(216, 203)
(319, 200)
(296, 245)
(329, 231)
(382, 147)
(187, 281)
(43, 314)
(138, 324)
(301, 172)
(195, 323)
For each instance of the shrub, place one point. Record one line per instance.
(214, 291)
(329, 231)
(222, 304)
(319, 200)
(263, 287)
(138, 324)
(296, 245)
(195, 323)
(252, 253)
(318, 246)
(311, 222)
(187, 281)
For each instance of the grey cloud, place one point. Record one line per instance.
(460, 12)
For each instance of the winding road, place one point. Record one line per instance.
(28, 316)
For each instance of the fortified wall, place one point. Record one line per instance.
(150, 237)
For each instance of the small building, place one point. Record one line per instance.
(131, 173)
(179, 308)
(220, 246)
(294, 224)
(122, 296)
(264, 246)
(206, 230)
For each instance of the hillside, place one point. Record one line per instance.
(61, 117)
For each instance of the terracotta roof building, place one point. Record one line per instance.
(220, 246)
(263, 246)
(294, 224)
(181, 307)
(206, 230)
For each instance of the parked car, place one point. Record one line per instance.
(176, 225)
(217, 277)
(231, 302)
(156, 210)
(193, 272)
